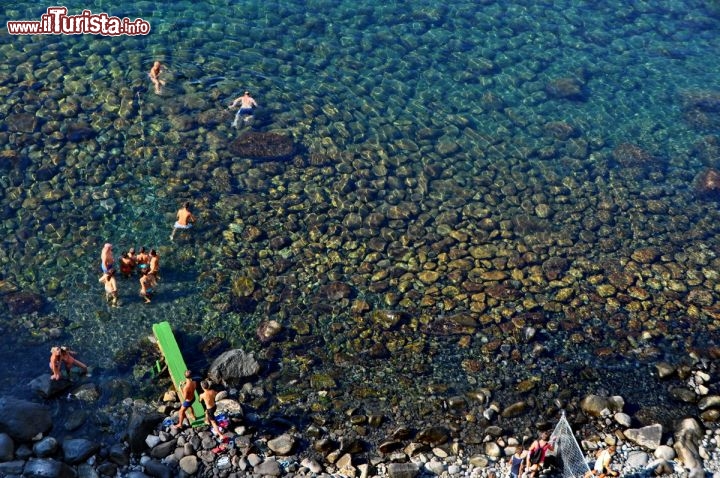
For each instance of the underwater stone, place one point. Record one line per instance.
(21, 123)
(707, 183)
(567, 88)
(79, 132)
(630, 155)
(24, 302)
(263, 145)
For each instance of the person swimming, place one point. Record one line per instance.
(247, 104)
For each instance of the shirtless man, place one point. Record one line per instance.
(106, 258)
(154, 264)
(147, 285)
(184, 219)
(155, 77)
(111, 292)
(55, 363)
(127, 263)
(208, 398)
(247, 103)
(142, 259)
(187, 391)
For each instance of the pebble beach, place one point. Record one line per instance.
(455, 221)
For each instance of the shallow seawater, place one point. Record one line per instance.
(476, 140)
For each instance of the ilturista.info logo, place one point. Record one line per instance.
(57, 22)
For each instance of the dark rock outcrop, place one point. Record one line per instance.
(77, 450)
(47, 388)
(22, 420)
(267, 146)
(23, 302)
(139, 427)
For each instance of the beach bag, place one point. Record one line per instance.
(536, 454)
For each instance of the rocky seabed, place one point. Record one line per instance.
(255, 445)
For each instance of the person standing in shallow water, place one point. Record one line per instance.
(111, 292)
(154, 264)
(154, 75)
(147, 286)
(184, 219)
(106, 258)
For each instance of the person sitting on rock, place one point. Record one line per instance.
(602, 464)
(63, 355)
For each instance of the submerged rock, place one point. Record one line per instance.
(233, 366)
(707, 183)
(24, 302)
(270, 145)
(22, 420)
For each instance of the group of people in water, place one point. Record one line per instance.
(146, 264)
(247, 102)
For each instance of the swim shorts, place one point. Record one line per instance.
(106, 269)
(245, 111)
(180, 226)
(187, 403)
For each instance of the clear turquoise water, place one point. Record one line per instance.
(444, 106)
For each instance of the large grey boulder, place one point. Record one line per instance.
(47, 388)
(269, 467)
(7, 448)
(47, 468)
(687, 439)
(234, 367)
(648, 436)
(46, 447)
(23, 420)
(10, 468)
(157, 469)
(77, 450)
(139, 427)
(596, 405)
